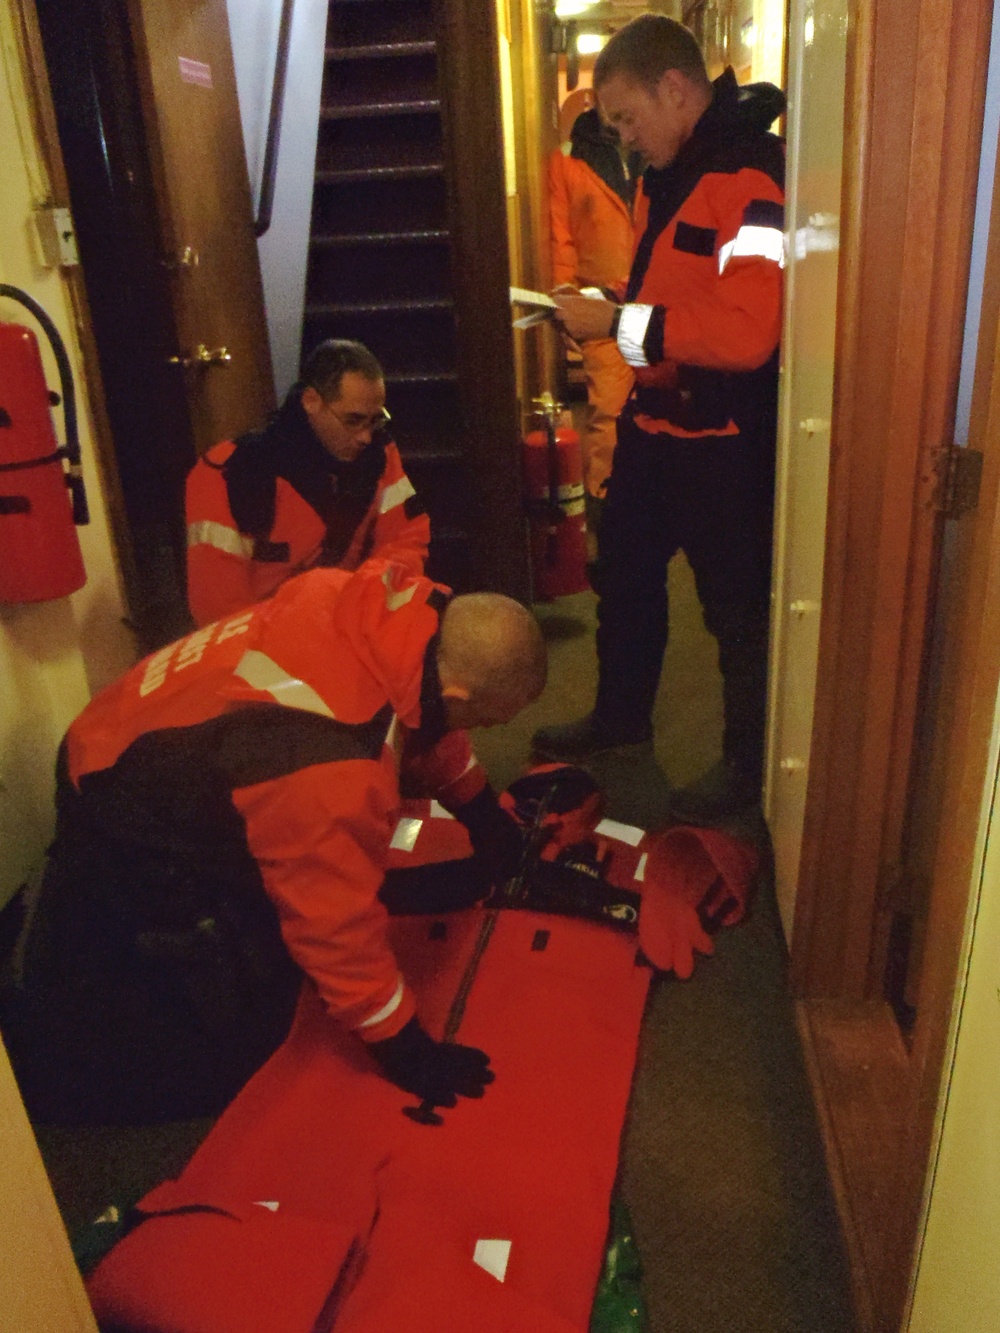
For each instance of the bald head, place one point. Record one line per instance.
(491, 659)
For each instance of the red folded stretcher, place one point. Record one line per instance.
(315, 1204)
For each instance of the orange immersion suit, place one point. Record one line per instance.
(274, 503)
(226, 808)
(590, 196)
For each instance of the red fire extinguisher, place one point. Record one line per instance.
(41, 500)
(553, 479)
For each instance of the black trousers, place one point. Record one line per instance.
(149, 992)
(712, 499)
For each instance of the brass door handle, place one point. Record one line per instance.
(202, 356)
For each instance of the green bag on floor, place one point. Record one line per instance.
(618, 1305)
(92, 1242)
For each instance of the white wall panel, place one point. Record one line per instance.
(284, 248)
(53, 655)
(817, 47)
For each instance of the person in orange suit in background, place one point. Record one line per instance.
(591, 188)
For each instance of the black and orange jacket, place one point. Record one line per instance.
(702, 315)
(274, 503)
(266, 745)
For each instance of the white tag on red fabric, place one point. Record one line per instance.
(493, 1256)
(610, 828)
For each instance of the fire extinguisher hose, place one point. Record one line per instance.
(556, 514)
(71, 449)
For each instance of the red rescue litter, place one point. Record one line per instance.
(553, 481)
(40, 556)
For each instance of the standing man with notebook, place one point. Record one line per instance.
(694, 462)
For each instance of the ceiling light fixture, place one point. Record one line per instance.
(589, 43)
(571, 9)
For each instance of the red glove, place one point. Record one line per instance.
(696, 881)
(671, 935)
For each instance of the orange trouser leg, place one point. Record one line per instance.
(609, 383)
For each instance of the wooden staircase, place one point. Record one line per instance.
(382, 264)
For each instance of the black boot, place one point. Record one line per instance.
(733, 786)
(572, 742)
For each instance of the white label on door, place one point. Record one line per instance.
(195, 71)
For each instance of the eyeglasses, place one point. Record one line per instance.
(356, 422)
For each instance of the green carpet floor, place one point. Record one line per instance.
(721, 1165)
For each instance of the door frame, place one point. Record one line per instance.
(911, 162)
(469, 73)
(47, 134)
(121, 296)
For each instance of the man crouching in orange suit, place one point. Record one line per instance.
(224, 817)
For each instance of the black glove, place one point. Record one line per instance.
(436, 1071)
(495, 835)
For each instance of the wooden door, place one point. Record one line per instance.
(915, 88)
(188, 85)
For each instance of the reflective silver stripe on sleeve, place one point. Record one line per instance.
(392, 735)
(208, 533)
(258, 670)
(407, 831)
(387, 1010)
(395, 598)
(632, 326)
(756, 243)
(396, 494)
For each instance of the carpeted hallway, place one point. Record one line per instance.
(722, 1166)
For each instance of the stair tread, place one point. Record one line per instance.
(379, 50)
(330, 175)
(420, 237)
(363, 110)
(355, 307)
(432, 456)
(422, 377)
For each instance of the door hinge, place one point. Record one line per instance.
(57, 237)
(961, 472)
